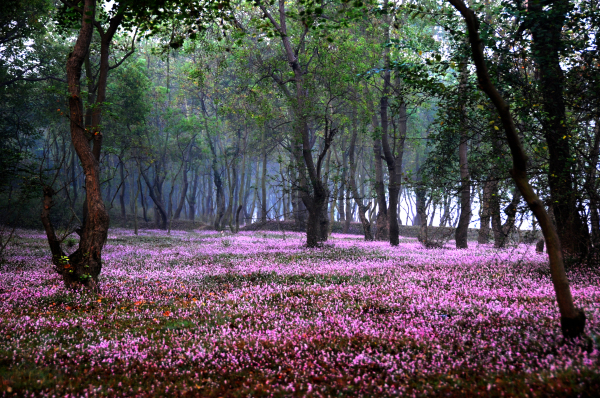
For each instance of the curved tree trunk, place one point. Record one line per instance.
(572, 319)
(83, 266)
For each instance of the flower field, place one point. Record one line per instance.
(257, 314)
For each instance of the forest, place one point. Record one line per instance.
(299, 198)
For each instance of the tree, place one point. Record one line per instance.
(572, 319)
(83, 266)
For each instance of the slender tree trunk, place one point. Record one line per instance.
(184, 190)
(155, 191)
(358, 198)
(135, 209)
(511, 214)
(348, 203)
(462, 229)
(241, 191)
(263, 183)
(220, 198)
(592, 188)
(191, 197)
(382, 231)
(123, 188)
(486, 212)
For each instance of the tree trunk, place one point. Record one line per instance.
(191, 198)
(135, 209)
(572, 319)
(144, 210)
(155, 191)
(502, 232)
(546, 25)
(263, 183)
(362, 208)
(462, 229)
(123, 187)
(348, 203)
(592, 188)
(486, 212)
(84, 265)
(314, 192)
(241, 190)
(220, 197)
(382, 231)
(184, 190)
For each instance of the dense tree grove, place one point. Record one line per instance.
(309, 115)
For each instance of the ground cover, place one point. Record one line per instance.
(257, 314)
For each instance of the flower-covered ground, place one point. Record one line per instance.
(257, 314)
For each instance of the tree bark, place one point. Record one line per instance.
(572, 319)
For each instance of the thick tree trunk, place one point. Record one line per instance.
(546, 25)
(74, 178)
(572, 319)
(84, 265)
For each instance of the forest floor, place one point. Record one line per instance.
(257, 314)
